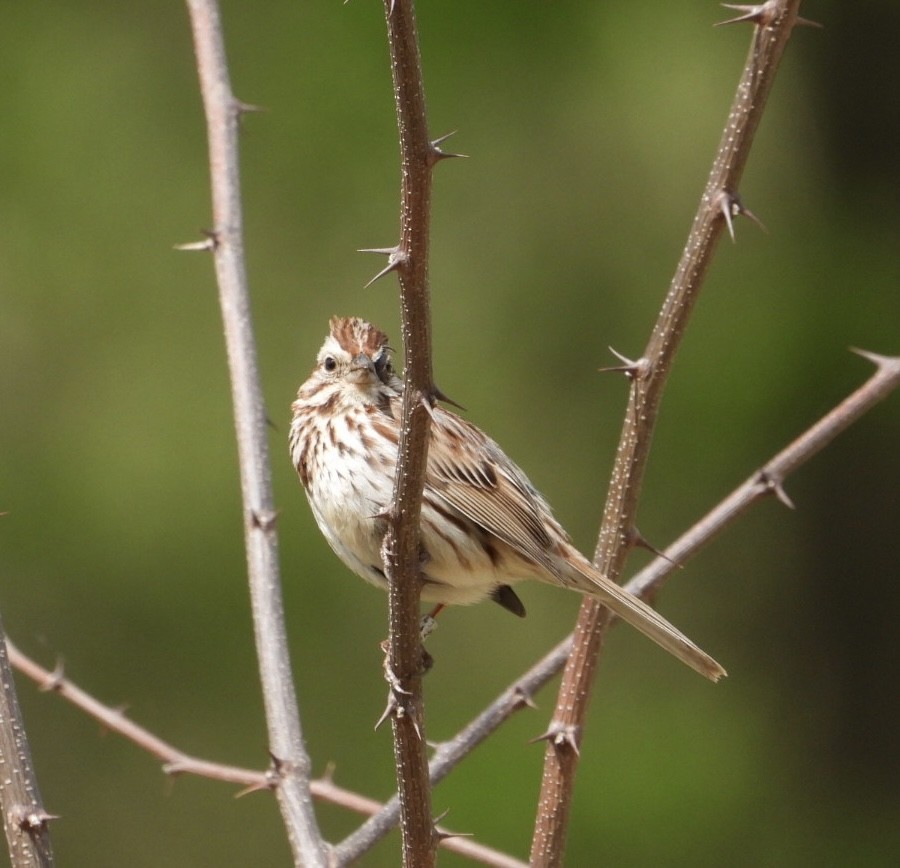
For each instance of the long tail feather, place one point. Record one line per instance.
(637, 613)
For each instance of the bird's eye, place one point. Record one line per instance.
(330, 363)
(381, 362)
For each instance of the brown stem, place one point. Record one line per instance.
(285, 737)
(450, 753)
(24, 817)
(718, 205)
(401, 549)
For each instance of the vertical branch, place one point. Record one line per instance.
(24, 817)
(719, 204)
(401, 551)
(292, 764)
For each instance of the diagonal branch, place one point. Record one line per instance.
(770, 478)
(176, 762)
(286, 745)
(718, 204)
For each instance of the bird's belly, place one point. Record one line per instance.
(348, 509)
(463, 564)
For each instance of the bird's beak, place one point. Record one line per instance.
(361, 368)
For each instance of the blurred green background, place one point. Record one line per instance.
(590, 129)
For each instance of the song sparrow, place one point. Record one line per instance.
(483, 524)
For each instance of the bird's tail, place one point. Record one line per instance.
(637, 613)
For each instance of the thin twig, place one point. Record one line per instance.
(291, 761)
(401, 549)
(176, 762)
(719, 203)
(24, 818)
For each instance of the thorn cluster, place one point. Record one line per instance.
(561, 735)
(761, 14)
(731, 206)
(31, 819)
(396, 258)
(634, 370)
(435, 154)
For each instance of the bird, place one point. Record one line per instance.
(483, 525)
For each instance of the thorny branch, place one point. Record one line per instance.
(24, 818)
(718, 205)
(176, 762)
(286, 745)
(766, 481)
(401, 549)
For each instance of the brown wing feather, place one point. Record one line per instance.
(487, 488)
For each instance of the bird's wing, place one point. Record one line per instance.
(468, 471)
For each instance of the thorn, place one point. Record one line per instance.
(390, 676)
(269, 782)
(773, 485)
(746, 212)
(634, 370)
(270, 423)
(415, 726)
(435, 154)
(242, 108)
(731, 206)
(391, 266)
(442, 834)
(211, 242)
(389, 709)
(328, 775)
(523, 699)
(278, 764)
(761, 14)
(426, 402)
(875, 358)
(639, 540)
(808, 22)
(177, 767)
(396, 258)
(383, 251)
(264, 520)
(782, 495)
(30, 819)
(560, 735)
(56, 679)
(438, 395)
